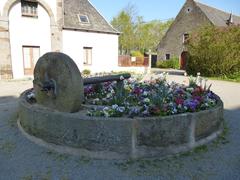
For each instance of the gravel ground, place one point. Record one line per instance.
(22, 159)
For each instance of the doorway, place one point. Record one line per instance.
(31, 55)
(183, 60)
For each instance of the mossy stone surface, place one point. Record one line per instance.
(69, 84)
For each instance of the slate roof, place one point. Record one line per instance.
(216, 16)
(97, 22)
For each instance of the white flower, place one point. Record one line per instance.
(31, 95)
(190, 89)
(145, 93)
(96, 100)
(198, 74)
(109, 95)
(115, 106)
(105, 108)
(162, 75)
(121, 109)
(121, 78)
(146, 100)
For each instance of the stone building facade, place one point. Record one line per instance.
(31, 28)
(192, 16)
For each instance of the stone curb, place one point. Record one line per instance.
(119, 138)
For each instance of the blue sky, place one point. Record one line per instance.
(158, 9)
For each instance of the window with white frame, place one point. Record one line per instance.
(29, 8)
(87, 55)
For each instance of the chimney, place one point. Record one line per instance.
(230, 20)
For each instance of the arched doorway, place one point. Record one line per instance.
(183, 60)
(29, 36)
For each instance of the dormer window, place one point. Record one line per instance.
(83, 19)
(29, 8)
(185, 37)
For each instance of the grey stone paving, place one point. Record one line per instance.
(22, 159)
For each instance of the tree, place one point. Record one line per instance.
(137, 34)
(149, 34)
(123, 22)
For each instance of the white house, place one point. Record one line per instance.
(30, 28)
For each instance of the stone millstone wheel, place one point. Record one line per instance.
(68, 93)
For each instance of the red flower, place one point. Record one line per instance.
(179, 101)
(198, 91)
(137, 91)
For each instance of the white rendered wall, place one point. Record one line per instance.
(27, 31)
(51, 3)
(104, 49)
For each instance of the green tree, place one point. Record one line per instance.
(149, 34)
(136, 34)
(123, 22)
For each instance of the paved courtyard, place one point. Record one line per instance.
(22, 159)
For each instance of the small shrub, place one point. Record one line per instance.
(137, 54)
(171, 63)
(86, 72)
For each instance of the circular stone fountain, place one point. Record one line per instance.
(67, 128)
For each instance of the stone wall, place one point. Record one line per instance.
(5, 55)
(189, 18)
(119, 138)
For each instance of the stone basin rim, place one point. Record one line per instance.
(123, 137)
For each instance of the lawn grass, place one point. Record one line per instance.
(232, 78)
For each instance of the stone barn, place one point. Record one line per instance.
(192, 16)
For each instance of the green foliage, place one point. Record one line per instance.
(136, 34)
(171, 63)
(123, 23)
(148, 34)
(137, 54)
(214, 51)
(86, 72)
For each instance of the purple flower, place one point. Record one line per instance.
(179, 91)
(191, 104)
(198, 98)
(211, 95)
(137, 91)
(88, 89)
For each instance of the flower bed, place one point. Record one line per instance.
(166, 120)
(153, 97)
